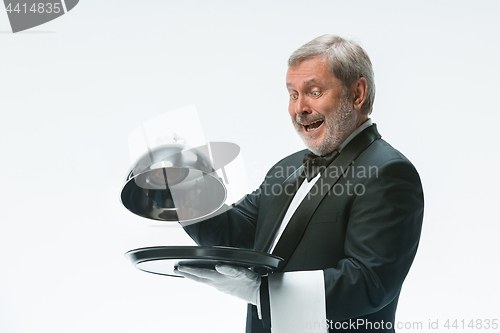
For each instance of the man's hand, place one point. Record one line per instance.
(235, 281)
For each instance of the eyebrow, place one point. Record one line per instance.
(305, 83)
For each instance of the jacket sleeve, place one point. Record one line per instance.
(233, 225)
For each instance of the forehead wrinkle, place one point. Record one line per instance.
(305, 83)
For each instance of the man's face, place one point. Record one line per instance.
(320, 112)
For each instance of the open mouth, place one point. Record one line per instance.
(311, 127)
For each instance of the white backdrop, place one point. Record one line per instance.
(72, 90)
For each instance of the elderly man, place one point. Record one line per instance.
(348, 218)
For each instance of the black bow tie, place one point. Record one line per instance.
(314, 164)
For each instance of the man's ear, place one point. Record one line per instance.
(358, 93)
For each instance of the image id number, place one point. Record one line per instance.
(36, 8)
(478, 324)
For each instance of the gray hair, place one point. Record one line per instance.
(348, 62)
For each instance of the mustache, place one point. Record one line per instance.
(308, 118)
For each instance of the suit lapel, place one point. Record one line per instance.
(278, 209)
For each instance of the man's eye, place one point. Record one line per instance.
(316, 93)
(294, 96)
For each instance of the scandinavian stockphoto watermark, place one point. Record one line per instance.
(354, 184)
(26, 14)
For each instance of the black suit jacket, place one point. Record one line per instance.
(362, 232)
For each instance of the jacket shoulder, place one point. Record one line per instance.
(381, 152)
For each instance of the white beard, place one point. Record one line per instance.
(338, 128)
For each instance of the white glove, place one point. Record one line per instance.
(232, 280)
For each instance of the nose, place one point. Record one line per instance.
(301, 106)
